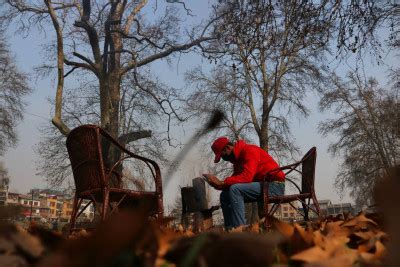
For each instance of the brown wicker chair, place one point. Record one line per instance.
(100, 185)
(306, 192)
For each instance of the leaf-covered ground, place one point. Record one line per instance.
(130, 239)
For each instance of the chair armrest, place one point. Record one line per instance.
(290, 167)
(156, 175)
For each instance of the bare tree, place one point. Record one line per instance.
(219, 90)
(108, 41)
(367, 126)
(13, 87)
(81, 105)
(357, 24)
(4, 179)
(273, 53)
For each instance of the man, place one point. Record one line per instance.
(250, 165)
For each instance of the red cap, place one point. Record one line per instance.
(218, 146)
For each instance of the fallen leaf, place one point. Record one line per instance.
(306, 235)
(359, 220)
(255, 228)
(6, 246)
(314, 254)
(339, 261)
(284, 228)
(318, 239)
(12, 261)
(28, 243)
(365, 235)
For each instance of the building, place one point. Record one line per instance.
(88, 213)
(48, 204)
(30, 205)
(66, 210)
(340, 209)
(52, 204)
(328, 209)
(13, 199)
(287, 212)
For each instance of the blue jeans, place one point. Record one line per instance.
(233, 198)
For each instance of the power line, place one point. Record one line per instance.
(47, 119)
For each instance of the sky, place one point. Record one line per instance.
(20, 160)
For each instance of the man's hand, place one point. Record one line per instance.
(214, 181)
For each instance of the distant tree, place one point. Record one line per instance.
(13, 87)
(220, 90)
(4, 179)
(269, 54)
(358, 22)
(367, 126)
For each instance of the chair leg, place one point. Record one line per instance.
(305, 210)
(106, 195)
(74, 212)
(266, 201)
(316, 204)
(160, 207)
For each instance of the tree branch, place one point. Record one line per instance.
(133, 136)
(93, 39)
(81, 65)
(134, 64)
(57, 121)
(91, 63)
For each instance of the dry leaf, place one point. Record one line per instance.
(306, 235)
(314, 254)
(28, 243)
(284, 228)
(344, 260)
(318, 239)
(365, 235)
(360, 220)
(6, 246)
(12, 261)
(255, 228)
(380, 250)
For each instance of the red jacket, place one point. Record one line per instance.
(251, 164)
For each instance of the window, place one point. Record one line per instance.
(292, 214)
(285, 208)
(25, 202)
(285, 214)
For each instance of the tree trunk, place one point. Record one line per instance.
(109, 107)
(263, 136)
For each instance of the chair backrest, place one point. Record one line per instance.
(308, 171)
(84, 150)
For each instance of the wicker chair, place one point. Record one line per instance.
(100, 185)
(306, 192)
